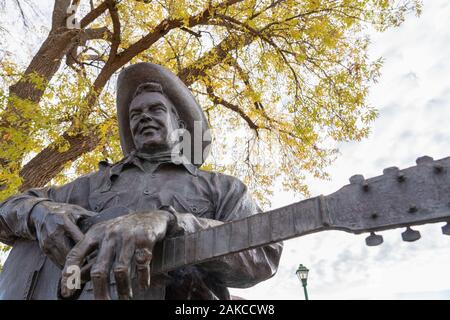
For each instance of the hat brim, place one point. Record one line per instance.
(187, 106)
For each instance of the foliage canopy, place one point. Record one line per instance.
(281, 82)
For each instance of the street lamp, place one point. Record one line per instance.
(302, 274)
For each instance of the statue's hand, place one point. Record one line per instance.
(119, 241)
(55, 227)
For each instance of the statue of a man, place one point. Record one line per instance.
(161, 197)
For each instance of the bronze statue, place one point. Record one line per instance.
(153, 195)
(155, 226)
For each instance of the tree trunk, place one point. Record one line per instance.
(49, 162)
(45, 64)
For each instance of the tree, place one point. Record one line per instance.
(285, 79)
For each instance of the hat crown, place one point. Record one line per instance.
(135, 77)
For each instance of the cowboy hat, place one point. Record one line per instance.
(186, 105)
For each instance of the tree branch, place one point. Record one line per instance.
(169, 24)
(246, 79)
(115, 41)
(216, 55)
(233, 107)
(93, 14)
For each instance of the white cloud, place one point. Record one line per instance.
(413, 96)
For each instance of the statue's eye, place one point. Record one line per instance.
(133, 115)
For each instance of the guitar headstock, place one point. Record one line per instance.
(398, 198)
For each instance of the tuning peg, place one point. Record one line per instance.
(410, 235)
(424, 160)
(393, 171)
(374, 240)
(357, 179)
(446, 229)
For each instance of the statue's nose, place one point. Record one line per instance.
(147, 117)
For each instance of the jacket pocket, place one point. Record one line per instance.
(200, 207)
(100, 200)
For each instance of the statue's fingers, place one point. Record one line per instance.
(101, 269)
(55, 244)
(73, 231)
(75, 259)
(86, 271)
(122, 269)
(60, 249)
(143, 258)
(56, 254)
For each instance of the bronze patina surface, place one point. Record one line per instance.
(154, 197)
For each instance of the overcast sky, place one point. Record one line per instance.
(413, 97)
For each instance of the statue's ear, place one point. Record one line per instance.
(181, 124)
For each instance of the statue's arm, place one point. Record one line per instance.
(239, 270)
(16, 211)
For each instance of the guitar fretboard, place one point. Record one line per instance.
(261, 229)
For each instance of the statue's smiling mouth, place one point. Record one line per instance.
(148, 129)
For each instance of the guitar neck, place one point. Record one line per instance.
(261, 229)
(398, 198)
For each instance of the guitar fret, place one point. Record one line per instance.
(310, 217)
(259, 229)
(239, 235)
(180, 254)
(205, 244)
(282, 224)
(190, 245)
(222, 239)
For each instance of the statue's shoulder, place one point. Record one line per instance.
(99, 178)
(223, 179)
(103, 170)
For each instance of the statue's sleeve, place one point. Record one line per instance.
(15, 211)
(247, 268)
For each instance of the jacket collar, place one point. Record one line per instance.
(134, 160)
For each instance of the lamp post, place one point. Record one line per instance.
(302, 274)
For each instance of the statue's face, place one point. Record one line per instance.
(152, 121)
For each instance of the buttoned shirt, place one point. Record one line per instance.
(139, 185)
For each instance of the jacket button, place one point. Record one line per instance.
(146, 192)
(96, 208)
(194, 209)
